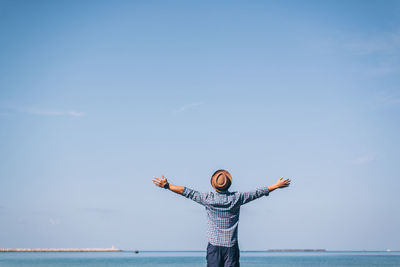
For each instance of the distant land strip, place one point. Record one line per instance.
(302, 250)
(59, 250)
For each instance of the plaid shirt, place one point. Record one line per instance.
(223, 212)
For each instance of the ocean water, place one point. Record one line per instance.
(174, 259)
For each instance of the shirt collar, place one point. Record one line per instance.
(224, 193)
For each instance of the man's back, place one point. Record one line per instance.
(223, 210)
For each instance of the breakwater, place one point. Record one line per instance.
(59, 250)
(297, 250)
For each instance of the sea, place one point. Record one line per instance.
(197, 258)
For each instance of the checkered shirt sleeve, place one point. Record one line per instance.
(246, 197)
(196, 196)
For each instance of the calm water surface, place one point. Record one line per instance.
(174, 259)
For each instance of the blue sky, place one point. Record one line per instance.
(97, 97)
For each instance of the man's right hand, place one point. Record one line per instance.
(282, 183)
(279, 184)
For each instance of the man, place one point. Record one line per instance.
(223, 208)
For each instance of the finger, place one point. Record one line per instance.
(163, 177)
(156, 178)
(281, 178)
(155, 181)
(287, 180)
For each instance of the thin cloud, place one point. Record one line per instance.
(100, 210)
(42, 112)
(364, 47)
(384, 43)
(384, 48)
(391, 99)
(363, 159)
(395, 100)
(187, 106)
(54, 221)
(383, 99)
(45, 112)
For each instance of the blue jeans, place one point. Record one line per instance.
(223, 256)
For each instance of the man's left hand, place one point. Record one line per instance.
(161, 182)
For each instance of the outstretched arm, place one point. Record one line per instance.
(264, 191)
(194, 195)
(163, 182)
(279, 184)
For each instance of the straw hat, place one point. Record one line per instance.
(221, 180)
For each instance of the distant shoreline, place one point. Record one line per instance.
(297, 250)
(173, 251)
(60, 250)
